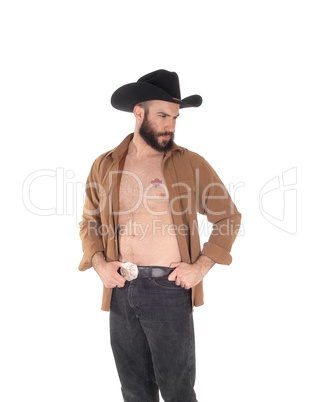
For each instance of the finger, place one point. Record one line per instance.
(118, 284)
(172, 276)
(111, 283)
(116, 280)
(174, 264)
(120, 280)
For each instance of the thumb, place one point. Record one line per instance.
(173, 275)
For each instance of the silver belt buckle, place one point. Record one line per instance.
(129, 270)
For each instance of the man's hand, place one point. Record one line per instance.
(189, 275)
(107, 271)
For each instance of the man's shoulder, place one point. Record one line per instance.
(187, 162)
(186, 154)
(103, 159)
(107, 158)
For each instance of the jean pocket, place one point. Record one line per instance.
(166, 284)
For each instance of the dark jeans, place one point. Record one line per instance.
(152, 338)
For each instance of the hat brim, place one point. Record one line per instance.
(129, 95)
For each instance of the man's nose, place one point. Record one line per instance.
(170, 125)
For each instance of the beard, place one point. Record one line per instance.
(152, 137)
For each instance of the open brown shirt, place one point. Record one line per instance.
(193, 187)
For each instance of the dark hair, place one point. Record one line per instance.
(145, 105)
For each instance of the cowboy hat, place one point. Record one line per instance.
(158, 85)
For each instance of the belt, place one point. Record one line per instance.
(153, 271)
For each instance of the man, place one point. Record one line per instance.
(141, 206)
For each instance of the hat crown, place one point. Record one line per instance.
(165, 80)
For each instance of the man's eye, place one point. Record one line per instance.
(162, 115)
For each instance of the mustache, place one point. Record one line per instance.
(171, 133)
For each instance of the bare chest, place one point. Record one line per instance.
(143, 185)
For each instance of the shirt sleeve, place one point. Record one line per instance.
(90, 226)
(215, 202)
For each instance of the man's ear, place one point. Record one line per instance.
(138, 112)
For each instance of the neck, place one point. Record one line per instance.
(140, 148)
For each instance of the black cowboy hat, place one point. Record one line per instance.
(158, 85)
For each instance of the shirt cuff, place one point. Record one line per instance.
(86, 262)
(217, 254)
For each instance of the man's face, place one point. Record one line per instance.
(158, 126)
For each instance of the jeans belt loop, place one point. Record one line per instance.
(150, 272)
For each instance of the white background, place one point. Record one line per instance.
(256, 65)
